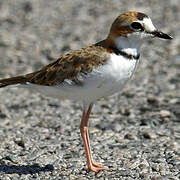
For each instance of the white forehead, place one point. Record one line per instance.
(148, 25)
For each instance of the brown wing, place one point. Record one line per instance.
(70, 65)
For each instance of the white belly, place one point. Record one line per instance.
(102, 81)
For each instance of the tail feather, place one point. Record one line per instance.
(13, 81)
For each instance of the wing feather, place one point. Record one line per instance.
(70, 65)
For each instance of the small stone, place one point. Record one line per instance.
(152, 100)
(155, 167)
(173, 101)
(149, 135)
(165, 113)
(129, 136)
(2, 115)
(20, 142)
(156, 177)
(170, 166)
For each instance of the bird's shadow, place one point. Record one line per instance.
(25, 169)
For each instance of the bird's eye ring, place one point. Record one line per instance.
(137, 26)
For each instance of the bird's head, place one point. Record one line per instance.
(134, 26)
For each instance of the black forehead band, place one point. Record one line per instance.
(141, 16)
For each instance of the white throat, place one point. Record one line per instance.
(130, 44)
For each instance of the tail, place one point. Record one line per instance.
(13, 81)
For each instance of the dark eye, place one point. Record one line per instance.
(137, 26)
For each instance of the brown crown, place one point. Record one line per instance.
(120, 27)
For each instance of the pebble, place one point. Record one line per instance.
(165, 113)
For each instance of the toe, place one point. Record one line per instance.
(97, 168)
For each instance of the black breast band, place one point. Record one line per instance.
(126, 55)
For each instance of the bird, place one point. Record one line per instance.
(94, 72)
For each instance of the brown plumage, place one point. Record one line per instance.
(67, 66)
(13, 80)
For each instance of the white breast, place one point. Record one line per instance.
(102, 81)
(117, 72)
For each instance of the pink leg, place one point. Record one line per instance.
(92, 166)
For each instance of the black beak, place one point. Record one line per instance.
(161, 35)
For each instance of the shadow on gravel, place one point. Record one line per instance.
(31, 169)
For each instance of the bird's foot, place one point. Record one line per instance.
(97, 164)
(96, 167)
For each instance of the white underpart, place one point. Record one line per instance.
(101, 82)
(131, 44)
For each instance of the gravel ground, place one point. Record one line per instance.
(136, 133)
